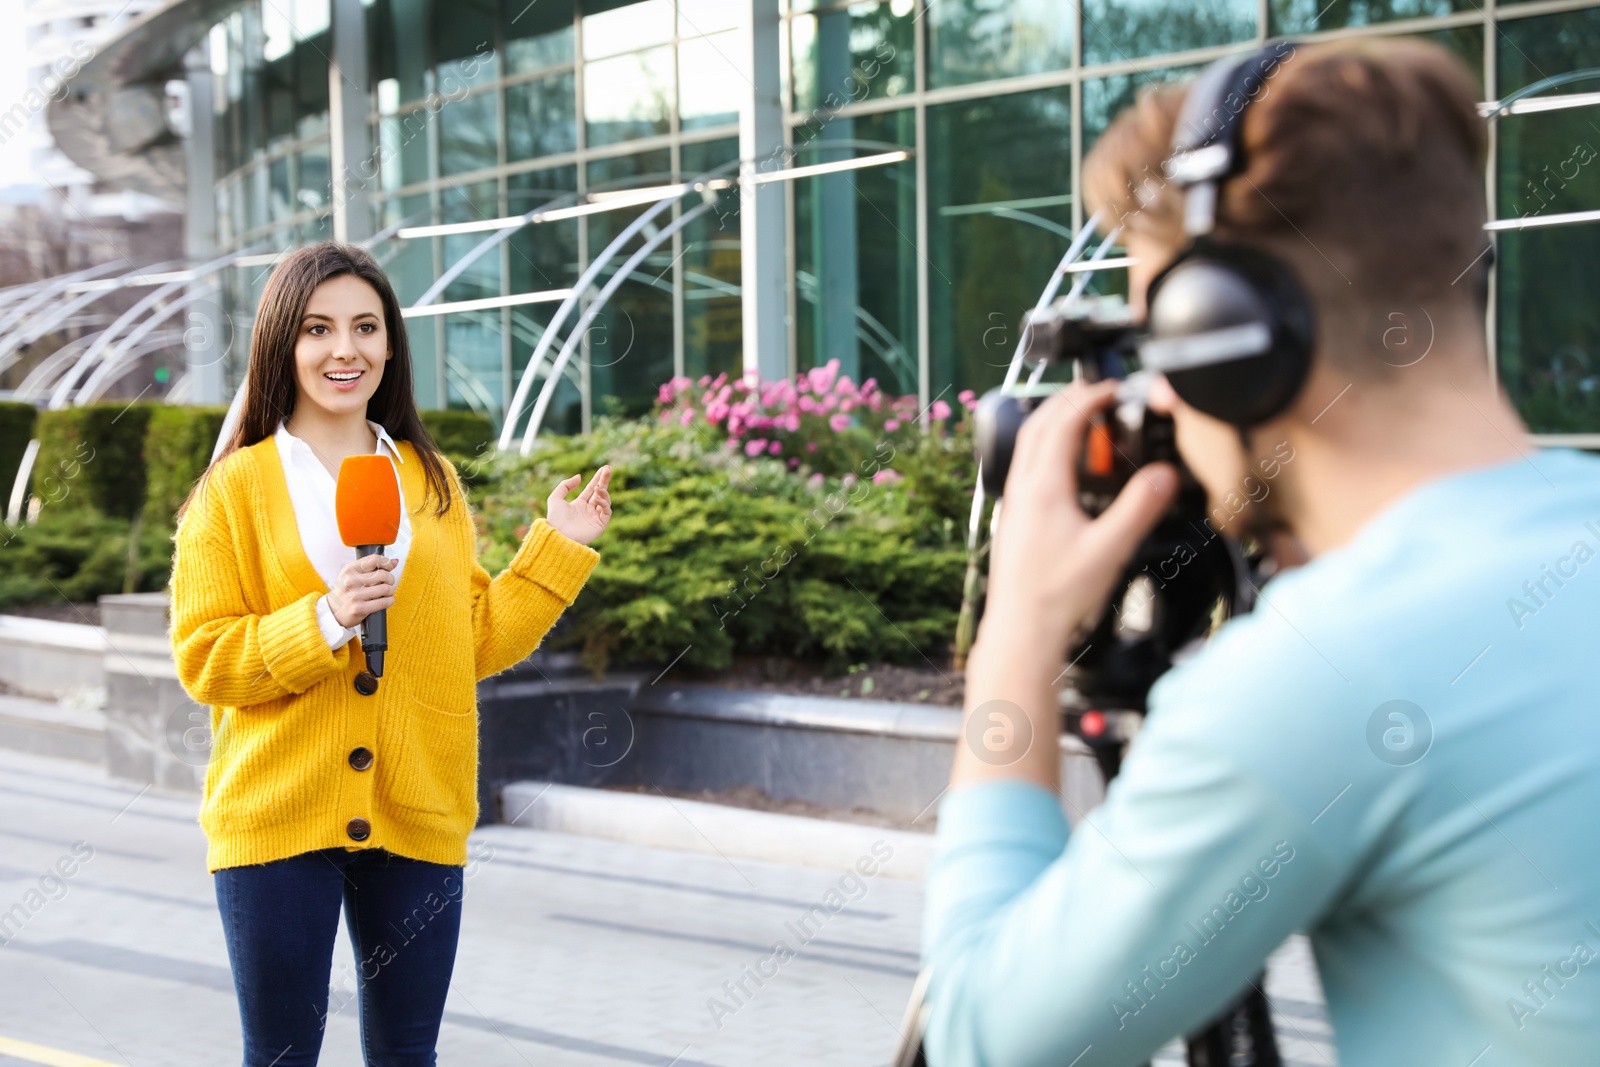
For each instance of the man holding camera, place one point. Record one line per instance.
(1397, 750)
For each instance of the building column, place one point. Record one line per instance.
(352, 167)
(204, 326)
(762, 215)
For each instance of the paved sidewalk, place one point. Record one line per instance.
(575, 952)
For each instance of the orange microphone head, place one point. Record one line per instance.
(367, 500)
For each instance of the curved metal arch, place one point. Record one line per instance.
(554, 377)
(35, 327)
(476, 252)
(1535, 88)
(585, 281)
(50, 287)
(126, 361)
(127, 349)
(63, 390)
(38, 380)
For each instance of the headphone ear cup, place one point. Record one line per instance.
(1213, 287)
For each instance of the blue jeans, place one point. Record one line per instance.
(280, 920)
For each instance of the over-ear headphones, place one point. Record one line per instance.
(1230, 325)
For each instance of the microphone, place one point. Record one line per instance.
(367, 502)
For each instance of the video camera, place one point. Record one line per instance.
(1184, 578)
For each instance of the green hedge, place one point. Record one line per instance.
(711, 554)
(17, 419)
(177, 450)
(93, 456)
(464, 434)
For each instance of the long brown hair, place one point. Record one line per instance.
(270, 390)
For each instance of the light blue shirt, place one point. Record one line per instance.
(1443, 854)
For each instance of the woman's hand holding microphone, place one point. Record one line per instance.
(364, 585)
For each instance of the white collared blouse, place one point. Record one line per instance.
(312, 491)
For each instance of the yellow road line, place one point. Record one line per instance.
(53, 1057)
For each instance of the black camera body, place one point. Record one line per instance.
(1184, 578)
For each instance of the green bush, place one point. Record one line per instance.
(712, 553)
(58, 471)
(76, 555)
(17, 420)
(177, 450)
(459, 433)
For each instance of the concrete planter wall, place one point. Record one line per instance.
(543, 720)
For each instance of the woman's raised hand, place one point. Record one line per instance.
(364, 585)
(585, 518)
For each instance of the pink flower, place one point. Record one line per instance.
(815, 480)
(715, 413)
(891, 425)
(846, 386)
(941, 410)
(811, 446)
(886, 477)
(839, 423)
(664, 394)
(848, 481)
(830, 402)
(687, 417)
(791, 422)
(705, 380)
(807, 404)
(846, 404)
(754, 446)
(717, 384)
(724, 393)
(966, 396)
(775, 447)
(742, 385)
(794, 461)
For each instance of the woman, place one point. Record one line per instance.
(318, 795)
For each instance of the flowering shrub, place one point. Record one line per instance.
(715, 552)
(820, 420)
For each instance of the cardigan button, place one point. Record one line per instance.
(359, 829)
(361, 758)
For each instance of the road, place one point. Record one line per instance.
(574, 952)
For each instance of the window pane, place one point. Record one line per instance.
(464, 43)
(538, 34)
(971, 40)
(630, 342)
(713, 316)
(469, 203)
(999, 220)
(403, 148)
(856, 258)
(1549, 326)
(697, 17)
(1115, 30)
(707, 72)
(627, 28)
(629, 96)
(1306, 16)
(1467, 44)
(469, 133)
(541, 258)
(1534, 48)
(314, 191)
(1105, 98)
(863, 52)
(541, 117)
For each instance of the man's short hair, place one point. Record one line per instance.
(1362, 166)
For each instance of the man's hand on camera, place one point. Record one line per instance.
(1051, 564)
(1051, 570)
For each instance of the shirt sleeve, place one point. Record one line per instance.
(333, 632)
(1098, 946)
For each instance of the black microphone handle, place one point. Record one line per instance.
(375, 628)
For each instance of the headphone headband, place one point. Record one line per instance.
(1205, 140)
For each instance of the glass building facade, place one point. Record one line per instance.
(915, 272)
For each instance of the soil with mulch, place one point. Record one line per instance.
(61, 611)
(940, 685)
(748, 796)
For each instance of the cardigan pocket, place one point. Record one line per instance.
(437, 768)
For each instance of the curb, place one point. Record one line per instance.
(695, 826)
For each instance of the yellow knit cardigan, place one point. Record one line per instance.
(286, 720)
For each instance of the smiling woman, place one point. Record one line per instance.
(322, 792)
